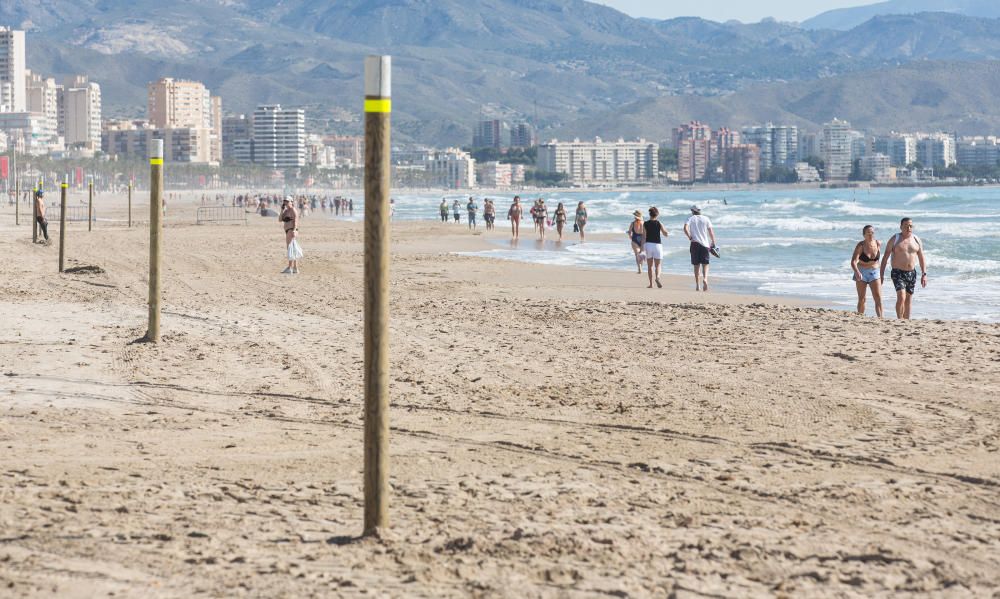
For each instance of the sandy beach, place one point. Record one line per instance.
(556, 432)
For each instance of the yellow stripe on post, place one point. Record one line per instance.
(64, 185)
(378, 105)
(156, 161)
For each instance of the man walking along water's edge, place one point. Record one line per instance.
(905, 250)
(699, 231)
(43, 223)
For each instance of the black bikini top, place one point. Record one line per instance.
(864, 257)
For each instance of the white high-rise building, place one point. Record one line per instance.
(13, 93)
(279, 136)
(80, 113)
(42, 95)
(835, 146)
(451, 168)
(599, 161)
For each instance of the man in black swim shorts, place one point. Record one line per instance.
(905, 250)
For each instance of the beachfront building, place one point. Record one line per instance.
(779, 144)
(13, 72)
(973, 152)
(451, 168)
(489, 134)
(808, 145)
(936, 151)
(522, 135)
(806, 173)
(877, 167)
(134, 139)
(33, 132)
(901, 149)
(319, 154)
(497, 175)
(693, 142)
(80, 113)
(42, 97)
(237, 130)
(350, 149)
(722, 139)
(741, 164)
(600, 162)
(835, 146)
(279, 136)
(175, 103)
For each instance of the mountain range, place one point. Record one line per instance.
(848, 18)
(569, 66)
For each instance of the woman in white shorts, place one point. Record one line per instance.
(653, 232)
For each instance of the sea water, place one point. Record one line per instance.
(778, 242)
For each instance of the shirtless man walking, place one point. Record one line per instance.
(43, 223)
(906, 251)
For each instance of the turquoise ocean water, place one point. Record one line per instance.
(791, 243)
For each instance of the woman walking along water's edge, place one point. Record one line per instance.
(635, 240)
(652, 243)
(864, 262)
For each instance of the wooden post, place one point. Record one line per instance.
(129, 204)
(62, 226)
(12, 174)
(377, 108)
(90, 206)
(155, 238)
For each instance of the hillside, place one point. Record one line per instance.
(847, 18)
(553, 62)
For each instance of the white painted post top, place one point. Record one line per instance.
(378, 76)
(157, 150)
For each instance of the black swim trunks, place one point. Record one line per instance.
(904, 279)
(699, 254)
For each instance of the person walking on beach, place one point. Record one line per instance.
(444, 210)
(699, 230)
(905, 250)
(560, 217)
(456, 210)
(652, 243)
(43, 223)
(543, 217)
(350, 206)
(489, 213)
(864, 262)
(635, 238)
(289, 218)
(514, 215)
(581, 219)
(472, 208)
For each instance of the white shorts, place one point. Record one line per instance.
(654, 251)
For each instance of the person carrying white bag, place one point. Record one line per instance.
(289, 218)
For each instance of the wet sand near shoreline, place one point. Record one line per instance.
(555, 432)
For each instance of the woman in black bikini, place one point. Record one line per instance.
(864, 262)
(635, 237)
(289, 218)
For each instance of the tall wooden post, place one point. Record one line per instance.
(62, 226)
(12, 174)
(377, 109)
(129, 204)
(90, 206)
(155, 238)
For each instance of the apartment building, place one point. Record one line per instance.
(13, 92)
(279, 136)
(80, 113)
(741, 164)
(835, 148)
(599, 161)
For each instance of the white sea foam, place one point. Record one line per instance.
(923, 197)
(802, 223)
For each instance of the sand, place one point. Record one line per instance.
(555, 432)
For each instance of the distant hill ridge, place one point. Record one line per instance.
(557, 63)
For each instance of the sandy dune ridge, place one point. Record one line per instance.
(555, 432)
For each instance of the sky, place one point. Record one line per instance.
(725, 10)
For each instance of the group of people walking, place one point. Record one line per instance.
(646, 238)
(542, 220)
(903, 252)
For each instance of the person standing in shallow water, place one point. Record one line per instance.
(514, 215)
(581, 218)
(653, 233)
(864, 262)
(906, 250)
(443, 208)
(560, 217)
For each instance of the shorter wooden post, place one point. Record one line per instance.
(62, 226)
(155, 238)
(90, 206)
(129, 204)
(34, 217)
